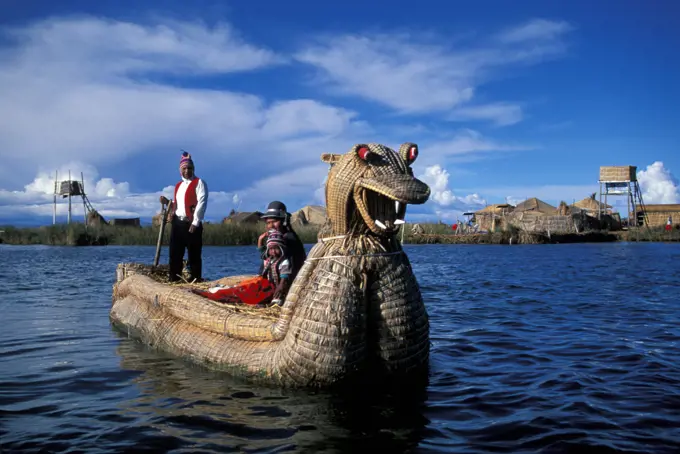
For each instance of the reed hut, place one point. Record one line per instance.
(156, 219)
(565, 210)
(245, 217)
(536, 206)
(657, 215)
(593, 207)
(535, 215)
(310, 214)
(94, 218)
(492, 217)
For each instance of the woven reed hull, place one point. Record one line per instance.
(338, 324)
(158, 328)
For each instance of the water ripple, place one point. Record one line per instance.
(560, 348)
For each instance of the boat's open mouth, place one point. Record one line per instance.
(382, 200)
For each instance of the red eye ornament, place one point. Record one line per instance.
(412, 154)
(363, 152)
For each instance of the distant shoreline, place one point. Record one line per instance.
(247, 234)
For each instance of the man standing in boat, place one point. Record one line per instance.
(278, 218)
(186, 213)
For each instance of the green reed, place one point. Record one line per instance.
(77, 235)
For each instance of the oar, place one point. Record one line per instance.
(164, 213)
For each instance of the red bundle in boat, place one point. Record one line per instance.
(250, 291)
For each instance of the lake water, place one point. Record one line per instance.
(550, 348)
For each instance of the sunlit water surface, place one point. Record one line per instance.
(550, 348)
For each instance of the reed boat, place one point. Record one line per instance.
(354, 308)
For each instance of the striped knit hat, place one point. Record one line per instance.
(275, 237)
(186, 160)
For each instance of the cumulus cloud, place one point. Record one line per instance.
(110, 198)
(95, 93)
(412, 75)
(87, 89)
(438, 180)
(658, 184)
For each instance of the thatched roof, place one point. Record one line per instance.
(243, 217)
(663, 207)
(590, 204)
(497, 208)
(311, 214)
(535, 205)
(95, 218)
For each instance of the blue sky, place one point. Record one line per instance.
(506, 100)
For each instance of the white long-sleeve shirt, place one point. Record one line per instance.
(201, 197)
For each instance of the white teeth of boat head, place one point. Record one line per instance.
(399, 221)
(380, 224)
(397, 205)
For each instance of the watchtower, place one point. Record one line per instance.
(622, 181)
(67, 189)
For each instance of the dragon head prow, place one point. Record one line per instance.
(369, 187)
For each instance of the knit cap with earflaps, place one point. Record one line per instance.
(274, 237)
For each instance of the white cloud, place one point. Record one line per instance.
(514, 200)
(95, 91)
(465, 145)
(658, 184)
(84, 89)
(409, 75)
(300, 187)
(108, 197)
(535, 30)
(438, 180)
(501, 113)
(116, 48)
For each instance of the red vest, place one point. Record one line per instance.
(190, 198)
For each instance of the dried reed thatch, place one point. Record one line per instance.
(535, 205)
(94, 218)
(563, 209)
(657, 214)
(310, 214)
(492, 217)
(618, 173)
(355, 307)
(529, 221)
(592, 206)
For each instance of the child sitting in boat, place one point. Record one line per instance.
(277, 267)
(266, 289)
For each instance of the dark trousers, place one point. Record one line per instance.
(181, 239)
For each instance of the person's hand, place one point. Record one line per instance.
(261, 239)
(192, 228)
(164, 200)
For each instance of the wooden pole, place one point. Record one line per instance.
(69, 197)
(82, 194)
(54, 207)
(628, 207)
(164, 213)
